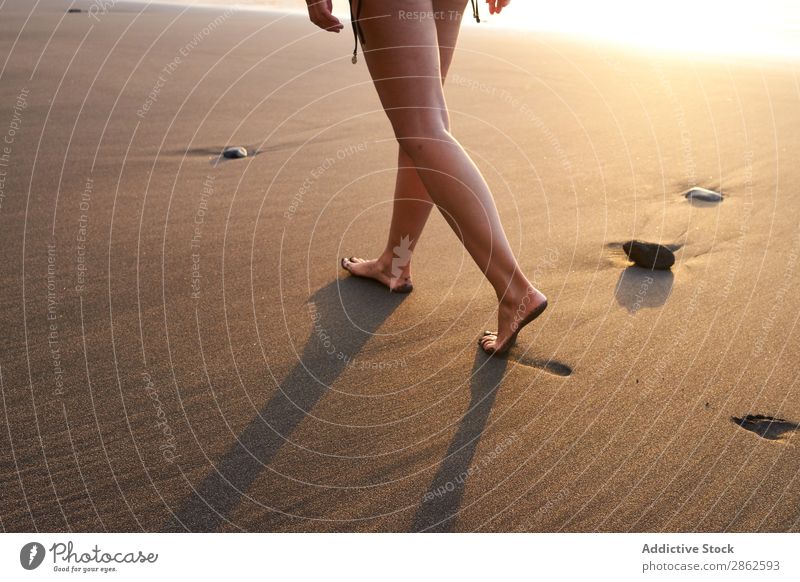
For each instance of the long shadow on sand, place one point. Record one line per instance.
(346, 313)
(441, 503)
(639, 288)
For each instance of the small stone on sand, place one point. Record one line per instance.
(74, 10)
(649, 255)
(703, 195)
(235, 152)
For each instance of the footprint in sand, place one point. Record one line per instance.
(773, 429)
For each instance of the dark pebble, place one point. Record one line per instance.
(649, 255)
(703, 195)
(235, 152)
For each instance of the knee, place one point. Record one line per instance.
(418, 140)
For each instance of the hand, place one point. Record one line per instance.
(319, 11)
(496, 6)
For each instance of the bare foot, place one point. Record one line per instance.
(514, 313)
(381, 272)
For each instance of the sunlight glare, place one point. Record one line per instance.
(702, 26)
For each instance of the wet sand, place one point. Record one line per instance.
(181, 350)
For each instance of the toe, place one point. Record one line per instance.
(349, 262)
(488, 341)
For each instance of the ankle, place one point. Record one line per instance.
(514, 290)
(385, 261)
(394, 265)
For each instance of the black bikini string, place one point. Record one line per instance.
(475, 11)
(359, 34)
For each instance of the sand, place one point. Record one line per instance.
(180, 349)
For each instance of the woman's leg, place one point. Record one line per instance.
(412, 204)
(410, 211)
(402, 55)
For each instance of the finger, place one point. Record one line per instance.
(330, 24)
(323, 18)
(336, 26)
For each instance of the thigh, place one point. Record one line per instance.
(401, 50)
(447, 28)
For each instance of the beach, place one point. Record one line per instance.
(181, 350)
